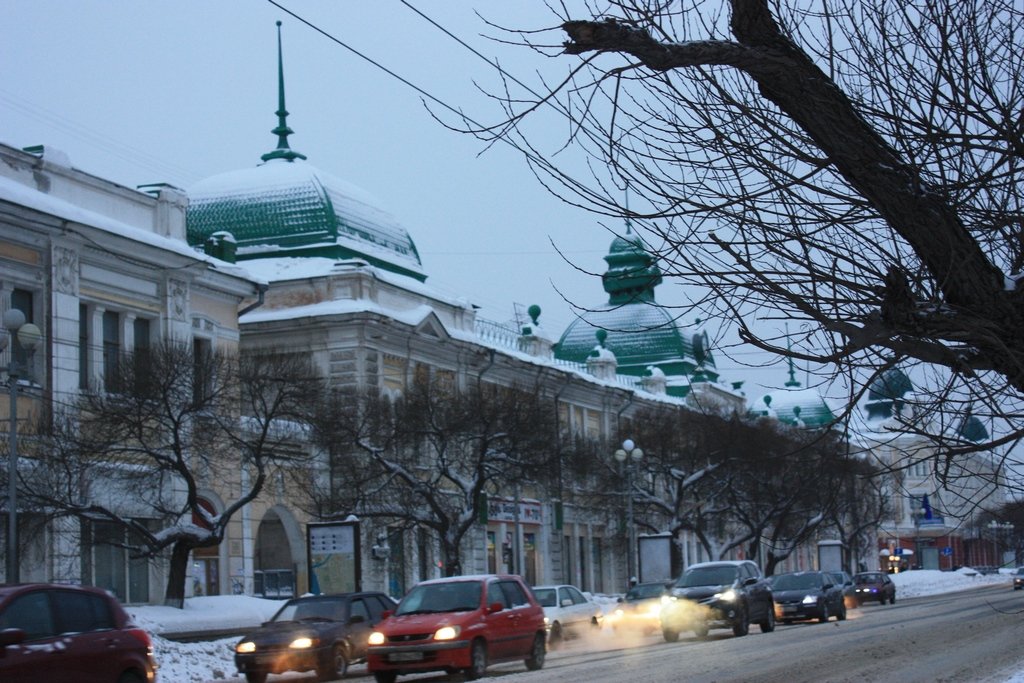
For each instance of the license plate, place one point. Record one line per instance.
(405, 656)
(789, 608)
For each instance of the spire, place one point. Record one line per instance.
(282, 131)
(792, 371)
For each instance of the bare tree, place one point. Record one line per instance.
(853, 165)
(427, 459)
(169, 424)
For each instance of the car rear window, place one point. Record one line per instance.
(82, 612)
(791, 582)
(545, 596)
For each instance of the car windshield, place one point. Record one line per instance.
(795, 582)
(454, 596)
(645, 590)
(707, 576)
(867, 578)
(545, 596)
(312, 610)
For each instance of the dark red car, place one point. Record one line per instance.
(70, 634)
(460, 623)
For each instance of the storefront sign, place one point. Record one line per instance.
(504, 510)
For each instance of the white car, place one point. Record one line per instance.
(567, 612)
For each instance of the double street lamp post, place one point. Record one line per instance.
(28, 337)
(628, 456)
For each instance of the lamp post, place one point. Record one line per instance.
(28, 336)
(629, 455)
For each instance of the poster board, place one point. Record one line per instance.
(332, 552)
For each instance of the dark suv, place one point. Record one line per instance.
(70, 634)
(725, 594)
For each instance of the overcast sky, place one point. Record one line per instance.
(142, 92)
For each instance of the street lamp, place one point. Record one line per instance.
(629, 455)
(28, 336)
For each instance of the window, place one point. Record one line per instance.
(141, 356)
(202, 370)
(81, 612)
(22, 300)
(358, 609)
(919, 469)
(514, 594)
(30, 613)
(111, 349)
(394, 375)
(83, 347)
(111, 567)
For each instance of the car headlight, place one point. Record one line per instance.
(547, 622)
(447, 632)
(618, 612)
(810, 599)
(726, 596)
(376, 638)
(245, 647)
(302, 643)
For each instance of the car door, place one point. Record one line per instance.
(360, 623)
(500, 625)
(521, 625)
(70, 636)
(579, 609)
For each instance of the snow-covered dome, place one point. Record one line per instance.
(641, 333)
(287, 207)
(795, 406)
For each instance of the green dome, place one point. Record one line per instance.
(641, 333)
(804, 407)
(287, 207)
(886, 390)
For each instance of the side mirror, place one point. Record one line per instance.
(828, 586)
(621, 599)
(750, 582)
(385, 614)
(11, 636)
(495, 607)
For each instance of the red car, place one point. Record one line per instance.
(70, 634)
(460, 623)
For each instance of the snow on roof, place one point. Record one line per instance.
(16, 193)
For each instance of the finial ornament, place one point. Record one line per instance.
(282, 131)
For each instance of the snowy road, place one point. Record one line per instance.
(971, 636)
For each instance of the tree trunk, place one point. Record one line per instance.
(452, 566)
(174, 595)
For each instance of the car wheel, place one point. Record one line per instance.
(742, 626)
(556, 637)
(892, 599)
(670, 635)
(701, 630)
(255, 676)
(841, 614)
(477, 661)
(768, 625)
(536, 659)
(824, 613)
(384, 676)
(334, 668)
(881, 598)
